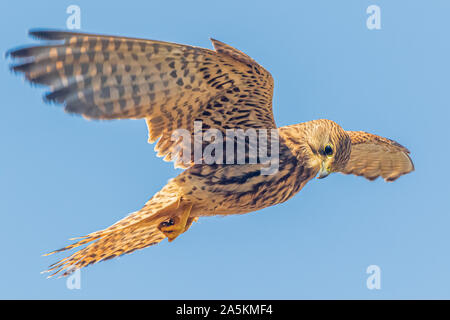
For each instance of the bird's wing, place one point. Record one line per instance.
(170, 85)
(373, 156)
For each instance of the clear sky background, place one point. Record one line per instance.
(62, 176)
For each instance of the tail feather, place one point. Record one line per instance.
(84, 240)
(136, 231)
(113, 244)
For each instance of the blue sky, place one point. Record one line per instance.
(62, 176)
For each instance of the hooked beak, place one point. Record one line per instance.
(324, 171)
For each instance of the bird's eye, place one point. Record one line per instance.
(328, 150)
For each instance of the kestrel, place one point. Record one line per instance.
(171, 86)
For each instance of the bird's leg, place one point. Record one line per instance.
(189, 222)
(177, 225)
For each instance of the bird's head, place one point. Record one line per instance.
(328, 145)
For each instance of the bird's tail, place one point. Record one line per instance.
(136, 231)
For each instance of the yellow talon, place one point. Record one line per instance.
(177, 225)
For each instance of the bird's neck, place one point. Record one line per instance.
(294, 137)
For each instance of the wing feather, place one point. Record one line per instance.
(170, 85)
(373, 156)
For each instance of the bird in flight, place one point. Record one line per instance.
(173, 86)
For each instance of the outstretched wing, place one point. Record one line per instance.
(170, 85)
(373, 156)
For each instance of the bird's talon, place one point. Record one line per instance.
(168, 223)
(176, 226)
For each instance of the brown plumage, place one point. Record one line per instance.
(171, 86)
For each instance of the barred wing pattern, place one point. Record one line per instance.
(168, 84)
(373, 156)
